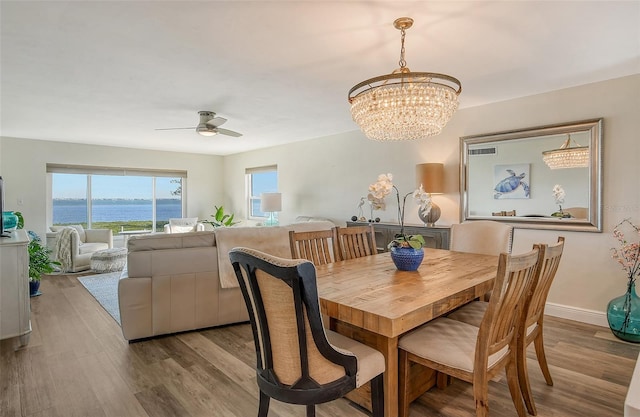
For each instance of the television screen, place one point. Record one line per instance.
(2, 232)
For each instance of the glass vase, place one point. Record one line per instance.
(623, 315)
(9, 220)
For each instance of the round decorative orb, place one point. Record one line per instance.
(406, 259)
(354, 218)
(377, 219)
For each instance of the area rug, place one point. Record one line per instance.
(104, 288)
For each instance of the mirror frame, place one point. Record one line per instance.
(593, 223)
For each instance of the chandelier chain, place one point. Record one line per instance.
(402, 61)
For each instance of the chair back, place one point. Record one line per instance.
(515, 277)
(548, 268)
(295, 362)
(317, 246)
(483, 236)
(356, 242)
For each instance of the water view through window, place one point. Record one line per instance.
(120, 203)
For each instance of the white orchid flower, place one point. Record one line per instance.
(423, 199)
(558, 193)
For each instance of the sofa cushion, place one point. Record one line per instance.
(92, 247)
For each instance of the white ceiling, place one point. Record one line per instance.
(110, 72)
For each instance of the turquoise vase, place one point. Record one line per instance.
(623, 315)
(9, 220)
(406, 259)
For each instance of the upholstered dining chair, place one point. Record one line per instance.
(475, 354)
(531, 328)
(486, 237)
(318, 246)
(356, 242)
(297, 361)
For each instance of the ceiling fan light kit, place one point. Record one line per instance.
(209, 125)
(404, 105)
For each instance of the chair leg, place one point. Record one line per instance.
(403, 389)
(514, 387)
(263, 410)
(542, 358)
(523, 377)
(481, 397)
(311, 410)
(377, 396)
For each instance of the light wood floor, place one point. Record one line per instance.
(77, 364)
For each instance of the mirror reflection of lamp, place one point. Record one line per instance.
(431, 176)
(271, 203)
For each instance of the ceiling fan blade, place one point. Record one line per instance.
(229, 132)
(216, 121)
(177, 128)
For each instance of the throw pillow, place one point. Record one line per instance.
(182, 229)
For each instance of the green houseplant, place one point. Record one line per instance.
(39, 263)
(220, 219)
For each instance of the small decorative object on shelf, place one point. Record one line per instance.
(623, 312)
(406, 250)
(9, 220)
(559, 195)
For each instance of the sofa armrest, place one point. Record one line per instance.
(99, 235)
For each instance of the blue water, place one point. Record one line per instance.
(75, 211)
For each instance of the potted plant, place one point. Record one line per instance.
(220, 219)
(406, 250)
(39, 263)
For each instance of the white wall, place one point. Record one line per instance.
(327, 176)
(24, 162)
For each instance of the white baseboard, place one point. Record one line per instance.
(598, 318)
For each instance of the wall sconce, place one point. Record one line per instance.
(271, 203)
(431, 177)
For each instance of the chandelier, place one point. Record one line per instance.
(404, 105)
(567, 156)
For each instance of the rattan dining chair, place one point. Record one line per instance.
(318, 246)
(297, 361)
(356, 242)
(470, 353)
(486, 237)
(531, 328)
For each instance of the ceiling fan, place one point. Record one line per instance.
(209, 125)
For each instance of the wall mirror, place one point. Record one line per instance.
(503, 177)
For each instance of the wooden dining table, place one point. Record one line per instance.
(369, 300)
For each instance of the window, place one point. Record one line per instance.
(260, 180)
(117, 199)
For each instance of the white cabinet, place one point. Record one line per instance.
(15, 306)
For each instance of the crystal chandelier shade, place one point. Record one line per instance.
(567, 156)
(404, 105)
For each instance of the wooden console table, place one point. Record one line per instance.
(15, 305)
(436, 237)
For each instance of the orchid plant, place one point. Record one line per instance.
(382, 188)
(559, 195)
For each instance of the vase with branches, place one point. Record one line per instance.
(623, 312)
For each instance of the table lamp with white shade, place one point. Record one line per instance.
(271, 203)
(431, 177)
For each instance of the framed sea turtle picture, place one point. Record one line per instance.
(511, 181)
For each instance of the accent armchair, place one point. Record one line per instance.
(73, 245)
